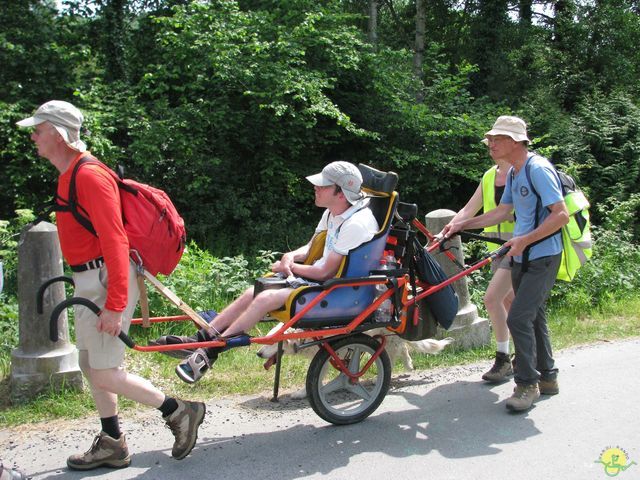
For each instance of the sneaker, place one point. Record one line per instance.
(11, 474)
(523, 397)
(192, 369)
(501, 370)
(548, 387)
(105, 451)
(184, 423)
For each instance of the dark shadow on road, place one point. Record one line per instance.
(458, 420)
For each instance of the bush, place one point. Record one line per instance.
(612, 272)
(9, 233)
(9, 328)
(204, 282)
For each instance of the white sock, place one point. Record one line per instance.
(503, 347)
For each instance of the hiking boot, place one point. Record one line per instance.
(523, 397)
(501, 369)
(548, 387)
(105, 451)
(184, 423)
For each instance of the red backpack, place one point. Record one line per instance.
(154, 228)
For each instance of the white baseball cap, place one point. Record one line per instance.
(343, 174)
(66, 119)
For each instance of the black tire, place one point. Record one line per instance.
(330, 393)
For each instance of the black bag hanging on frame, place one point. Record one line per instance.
(443, 304)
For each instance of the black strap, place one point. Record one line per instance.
(45, 210)
(412, 244)
(90, 265)
(475, 236)
(395, 299)
(525, 253)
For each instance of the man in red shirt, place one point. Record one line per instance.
(104, 274)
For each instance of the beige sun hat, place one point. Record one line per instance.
(513, 127)
(66, 119)
(344, 174)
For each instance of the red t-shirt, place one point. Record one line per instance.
(98, 195)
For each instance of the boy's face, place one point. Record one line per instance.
(326, 196)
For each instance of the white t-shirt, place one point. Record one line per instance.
(346, 231)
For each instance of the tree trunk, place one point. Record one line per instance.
(563, 19)
(525, 12)
(115, 35)
(373, 23)
(418, 55)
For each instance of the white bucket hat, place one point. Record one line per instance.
(66, 119)
(513, 127)
(343, 174)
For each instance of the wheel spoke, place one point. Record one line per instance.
(354, 363)
(338, 383)
(359, 390)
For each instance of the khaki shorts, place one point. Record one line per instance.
(503, 262)
(103, 350)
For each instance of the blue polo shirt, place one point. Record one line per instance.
(518, 193)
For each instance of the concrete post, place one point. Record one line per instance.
(38, 363)
(468, 329)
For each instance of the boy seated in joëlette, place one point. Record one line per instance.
(348, 222)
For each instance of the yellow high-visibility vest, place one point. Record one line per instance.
(503, 230)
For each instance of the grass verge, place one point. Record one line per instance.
(240, 371)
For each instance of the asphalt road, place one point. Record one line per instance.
(442, 424)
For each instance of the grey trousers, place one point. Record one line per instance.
(527, 321)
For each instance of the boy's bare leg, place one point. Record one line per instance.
(265, 302)
(231, 312)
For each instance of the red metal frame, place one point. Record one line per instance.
(338, 364)
(282, 334)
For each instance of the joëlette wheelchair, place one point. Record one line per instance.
(350, 374)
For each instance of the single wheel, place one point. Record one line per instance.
(333, 395)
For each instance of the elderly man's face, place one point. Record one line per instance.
(45, 136)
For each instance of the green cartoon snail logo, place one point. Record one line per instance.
(614, 461)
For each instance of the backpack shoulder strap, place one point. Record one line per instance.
(72, 200)
(525, 259)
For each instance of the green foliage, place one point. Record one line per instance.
(9, 328)
(604, 144)
(227, 88)
(205, 282)
(612, 272)
(433, 145)
(9, 236)
(228, 104)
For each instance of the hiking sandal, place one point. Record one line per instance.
(192, 369)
